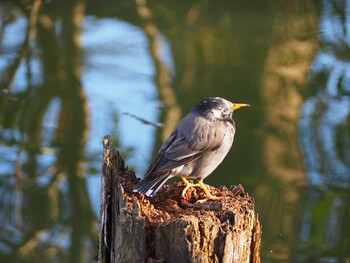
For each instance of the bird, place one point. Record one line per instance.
(195, 148)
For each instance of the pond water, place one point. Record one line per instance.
(73, 71)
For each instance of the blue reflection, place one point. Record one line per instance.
(119, 78)
(325, 141)
(324, 115)
(11, 40)
(119, 83)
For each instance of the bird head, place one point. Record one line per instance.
(218, 108)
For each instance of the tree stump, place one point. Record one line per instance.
(169, 228)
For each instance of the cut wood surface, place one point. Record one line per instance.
(170, 228)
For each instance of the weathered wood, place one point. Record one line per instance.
(169, 228)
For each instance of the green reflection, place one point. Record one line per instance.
(56, 220)
(258, 52)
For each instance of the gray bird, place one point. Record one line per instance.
(198, 144)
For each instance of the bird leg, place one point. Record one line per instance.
(188, 185)
(209, 196)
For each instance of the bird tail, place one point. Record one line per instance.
(151, 184)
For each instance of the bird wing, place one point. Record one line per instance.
(192, 138)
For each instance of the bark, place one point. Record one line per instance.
(169, 228)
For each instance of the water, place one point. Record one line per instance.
(131, 70)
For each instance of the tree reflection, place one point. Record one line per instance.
(257, 52)
(325, 140)
(172, 112)
(52, 218)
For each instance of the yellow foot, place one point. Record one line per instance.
(188, 185)
(209, 196)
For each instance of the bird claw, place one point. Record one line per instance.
(208, 198)
(188, 185)
(183, 193)
(201, 201)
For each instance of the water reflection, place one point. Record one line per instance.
(61, 92)
(49, 163)
(324, 137)
(118, 79)
(323, 227)
(289, 54)
(73, 73)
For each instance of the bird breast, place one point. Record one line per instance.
(204, 166)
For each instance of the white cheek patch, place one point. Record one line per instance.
(217, 113)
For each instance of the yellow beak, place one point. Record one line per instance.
(237, 106)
